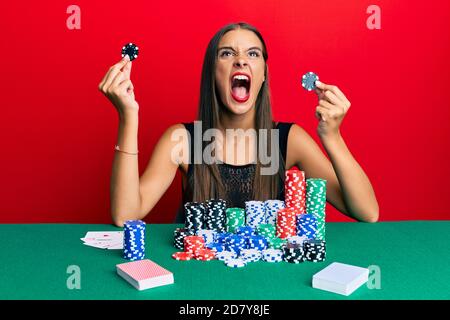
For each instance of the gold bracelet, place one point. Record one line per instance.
(118, 149)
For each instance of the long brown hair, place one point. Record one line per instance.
(207, 180)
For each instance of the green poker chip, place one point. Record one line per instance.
(316, 199)
(235, 219)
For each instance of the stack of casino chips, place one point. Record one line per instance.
(315, 250)
(226, 255)
(235, 243)
(134, 240)
(245, 231)
(193, 243)
(272, 255)
(293, 253)
(257, 242)
(235, 262)
(295, 190)
(235, 218)
(219, 242)
(286, 222)
(271, 208)
(215, 246)
(231, 259)
(297, 240)
(255, 213)
(222, 236)
(216, 216)
(195, 213)
(250, 255)
(209, 236)
(194, 247)
(276, 243)
(178, 237)
(316, 199)
(307, 226)
(267, 230)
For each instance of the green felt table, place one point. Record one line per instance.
(413, 258)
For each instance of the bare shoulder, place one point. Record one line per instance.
(175, 129)
(175, 141)
(297, 133)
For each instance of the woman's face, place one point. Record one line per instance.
(239, 70)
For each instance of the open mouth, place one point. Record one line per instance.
(240, 87)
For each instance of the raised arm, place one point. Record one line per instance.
(348, 188)
(133, 197)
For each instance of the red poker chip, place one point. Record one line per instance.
(183, 256)
(204, 258)
(205, 255)
(205, 252)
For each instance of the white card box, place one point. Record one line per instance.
(340, 278)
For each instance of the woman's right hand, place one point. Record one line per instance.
(118, 88)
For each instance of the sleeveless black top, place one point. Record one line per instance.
(237, 179)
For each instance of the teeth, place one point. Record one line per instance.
(240, 77)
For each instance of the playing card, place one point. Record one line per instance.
(144, 274)
(104, 234)
(104, 239)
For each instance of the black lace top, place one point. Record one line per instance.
(237, 179)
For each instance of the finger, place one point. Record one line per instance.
(127, 70)
(340, 94)
(333, 89)
(326, 105)
(332, 98)
(112, 72)
(321, 113)
(319, 93)
(117, 80)
(126, 85)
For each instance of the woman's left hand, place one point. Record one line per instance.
(332, 108)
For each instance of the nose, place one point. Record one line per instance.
(240, 62)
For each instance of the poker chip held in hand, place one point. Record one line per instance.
(131, 50)
(309, 81)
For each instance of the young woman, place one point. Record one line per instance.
(234, 94)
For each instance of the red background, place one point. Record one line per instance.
(58, 131)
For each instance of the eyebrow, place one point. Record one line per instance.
(251, 48)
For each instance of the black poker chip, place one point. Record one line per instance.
(309, 81)
(131, 50)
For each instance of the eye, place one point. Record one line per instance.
(254, 54)
(225, 53)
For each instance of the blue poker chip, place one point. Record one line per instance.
(217, 247)
(309, 81)
(131, 50)
(134, 240)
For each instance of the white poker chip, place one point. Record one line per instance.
(226, 255)
(235, 263)
(250, 255)
(272, 255)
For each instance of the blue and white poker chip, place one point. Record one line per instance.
(134, 240)
(309, 80)
(250, 255)
(226, 255)
(235, 263)
(272, 255)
